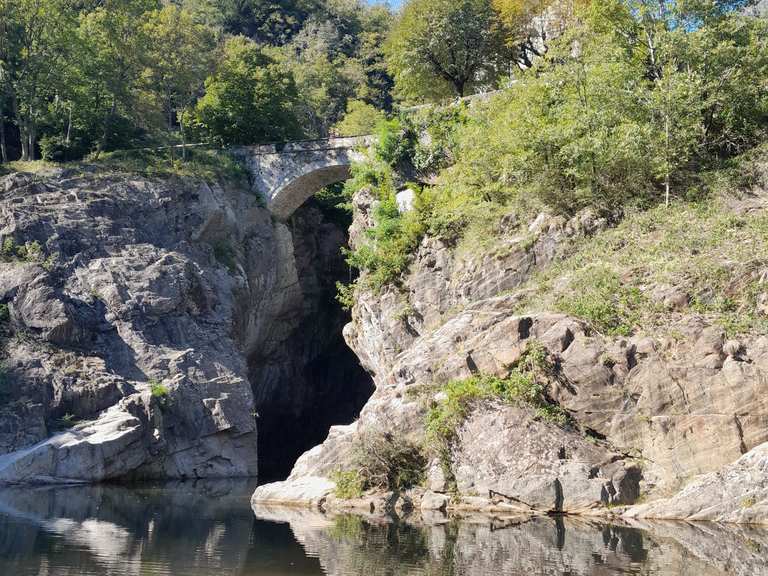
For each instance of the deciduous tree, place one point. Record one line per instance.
(250, 99)
(441, 47)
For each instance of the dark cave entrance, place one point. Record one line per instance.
(314, 381)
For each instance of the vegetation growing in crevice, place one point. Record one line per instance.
(381, 460)
(525, 385)
(225, 255)
(598, 295)
(11, 251)
(67, 421)
(160, 392)
(393, 239)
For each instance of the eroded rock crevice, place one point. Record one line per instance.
(311, 380)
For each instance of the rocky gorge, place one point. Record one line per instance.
(158, 328)
(149, 322)
(671, 425)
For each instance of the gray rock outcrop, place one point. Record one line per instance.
(646, 414)
(134, 305)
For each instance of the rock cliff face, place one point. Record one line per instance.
(139, 316)
(647, 414)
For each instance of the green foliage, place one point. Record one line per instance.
(68, 421)
(349, 484)
(9, 248)
(597, 294)
(526, 384)
(381, 460)
(613, 125)
(180, 57)
(55, 148)
(200, 163)
(394, 237)
(336, 58)
(345, 294)
(106, 83)
(701, 248)
(439, 128)
(334, 204)
(34, 48)
(79, 77)
(386, 254)
(225, 255)
(443, 47)
(361, 118)
(159, 391)
(394, 141)
(250, 99)
(10, 251)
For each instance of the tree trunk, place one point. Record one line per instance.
(105, 133)
(24, 141)
(69, 126)
(668, 160)
(3, 148)
(32, 135)
(183, 139)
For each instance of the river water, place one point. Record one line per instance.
(209, 529)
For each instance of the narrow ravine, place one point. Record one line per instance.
(313, 380)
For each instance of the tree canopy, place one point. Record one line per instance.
(86, 77)
(440, 47)
(249, 99)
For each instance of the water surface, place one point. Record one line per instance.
(209, 529)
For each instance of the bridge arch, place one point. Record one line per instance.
(287, 175)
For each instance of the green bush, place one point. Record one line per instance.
(225, 255)
(158, 390)
(395, 141)
(386, 253)
(439, 128)
(381, 460)
(9, 248)
(28, 252)
(55, 148)
(526, 384)
(361, 119)
(345, 294)
(349, 484)
(597, 295)
(68, 421)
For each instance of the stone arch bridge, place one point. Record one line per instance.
(287, 175)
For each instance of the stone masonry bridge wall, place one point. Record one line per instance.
(287, 175)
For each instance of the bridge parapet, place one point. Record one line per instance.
(323, 144)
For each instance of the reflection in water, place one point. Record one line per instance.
(348, 545)
(208, 528)
(194, 528)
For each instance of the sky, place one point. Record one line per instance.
(393, 3)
